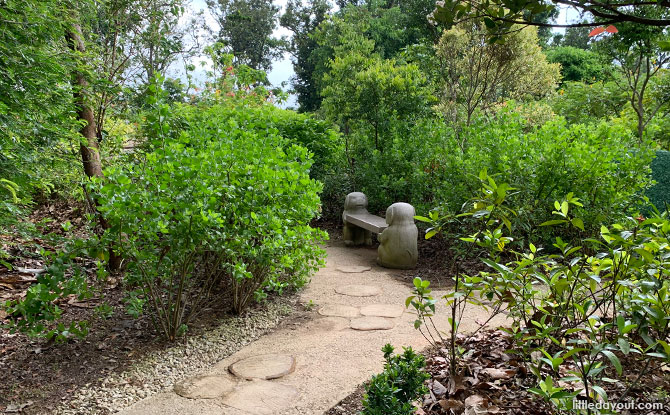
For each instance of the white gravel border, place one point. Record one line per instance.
(160, 370)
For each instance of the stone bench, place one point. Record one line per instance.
(397, 233)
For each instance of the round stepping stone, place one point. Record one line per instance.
(204, 387)
(338, 310)
(358, 290)
(372, 323)
(328, 324)
(264, 366)
(353, 269)
(382, 310)
(261, 397)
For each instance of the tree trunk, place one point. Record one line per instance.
(88, 146)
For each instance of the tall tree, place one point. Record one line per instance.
(640, 61)
(131, 41)
(577, 37)
(477, 74)
(246, 28)
(302, 20)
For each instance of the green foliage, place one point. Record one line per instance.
(246, 29)
(393, 391)
(544, 163)
(221, 199)
(577, 37)
(474, 75)
(583, 103)
(303, 21)
(38, 313)
(578, 311)
(659, 193)
(579, 65)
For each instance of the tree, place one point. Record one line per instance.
(246, 28)
(477, 74)
(132, 41)
(579, 64)
(365, 93)
(577, 37)
(500, 16)
(640, 60)
(302, 21)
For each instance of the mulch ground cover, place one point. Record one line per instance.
(494, 380)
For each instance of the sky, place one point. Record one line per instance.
(282, 70)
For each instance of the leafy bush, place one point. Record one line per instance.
(226, 203)
(579, 65)
(427, 164)
(599, 163)
(577, 312)
(401, 383)
(582, 103)
(659, 193)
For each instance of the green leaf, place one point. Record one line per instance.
(615, 361)
(553, 222)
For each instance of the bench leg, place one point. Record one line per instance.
(356, 236)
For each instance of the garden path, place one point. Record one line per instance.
(330, 358)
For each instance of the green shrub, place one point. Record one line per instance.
(428, 164)
(659, 193)
(226, 203)
(578, 312)
(602, 164)
(579, 64)
(401, 383)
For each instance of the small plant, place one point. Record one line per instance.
(393, 391)
(488, 209)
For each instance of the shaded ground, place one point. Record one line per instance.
(39, 375)
(498, 381)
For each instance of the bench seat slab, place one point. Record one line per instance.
(367, 221)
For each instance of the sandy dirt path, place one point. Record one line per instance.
(331, 358)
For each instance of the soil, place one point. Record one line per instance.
(496, 378)
(39, 375)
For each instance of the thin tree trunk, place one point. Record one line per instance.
(88, 147)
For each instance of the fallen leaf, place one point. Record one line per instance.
(451, 404)
(439, 389)
(495, 373)
(456, 384)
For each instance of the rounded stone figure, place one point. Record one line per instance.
(398, 243)
(355, 203)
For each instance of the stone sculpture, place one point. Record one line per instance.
(355, 203)
(398, 243)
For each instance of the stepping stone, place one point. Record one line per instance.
(204, 387)
(328, 324)
(382, 310)
(353, 269)
(338, 310)
(264, 366)
(372, 323)
(358, 290)
(261, 397)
